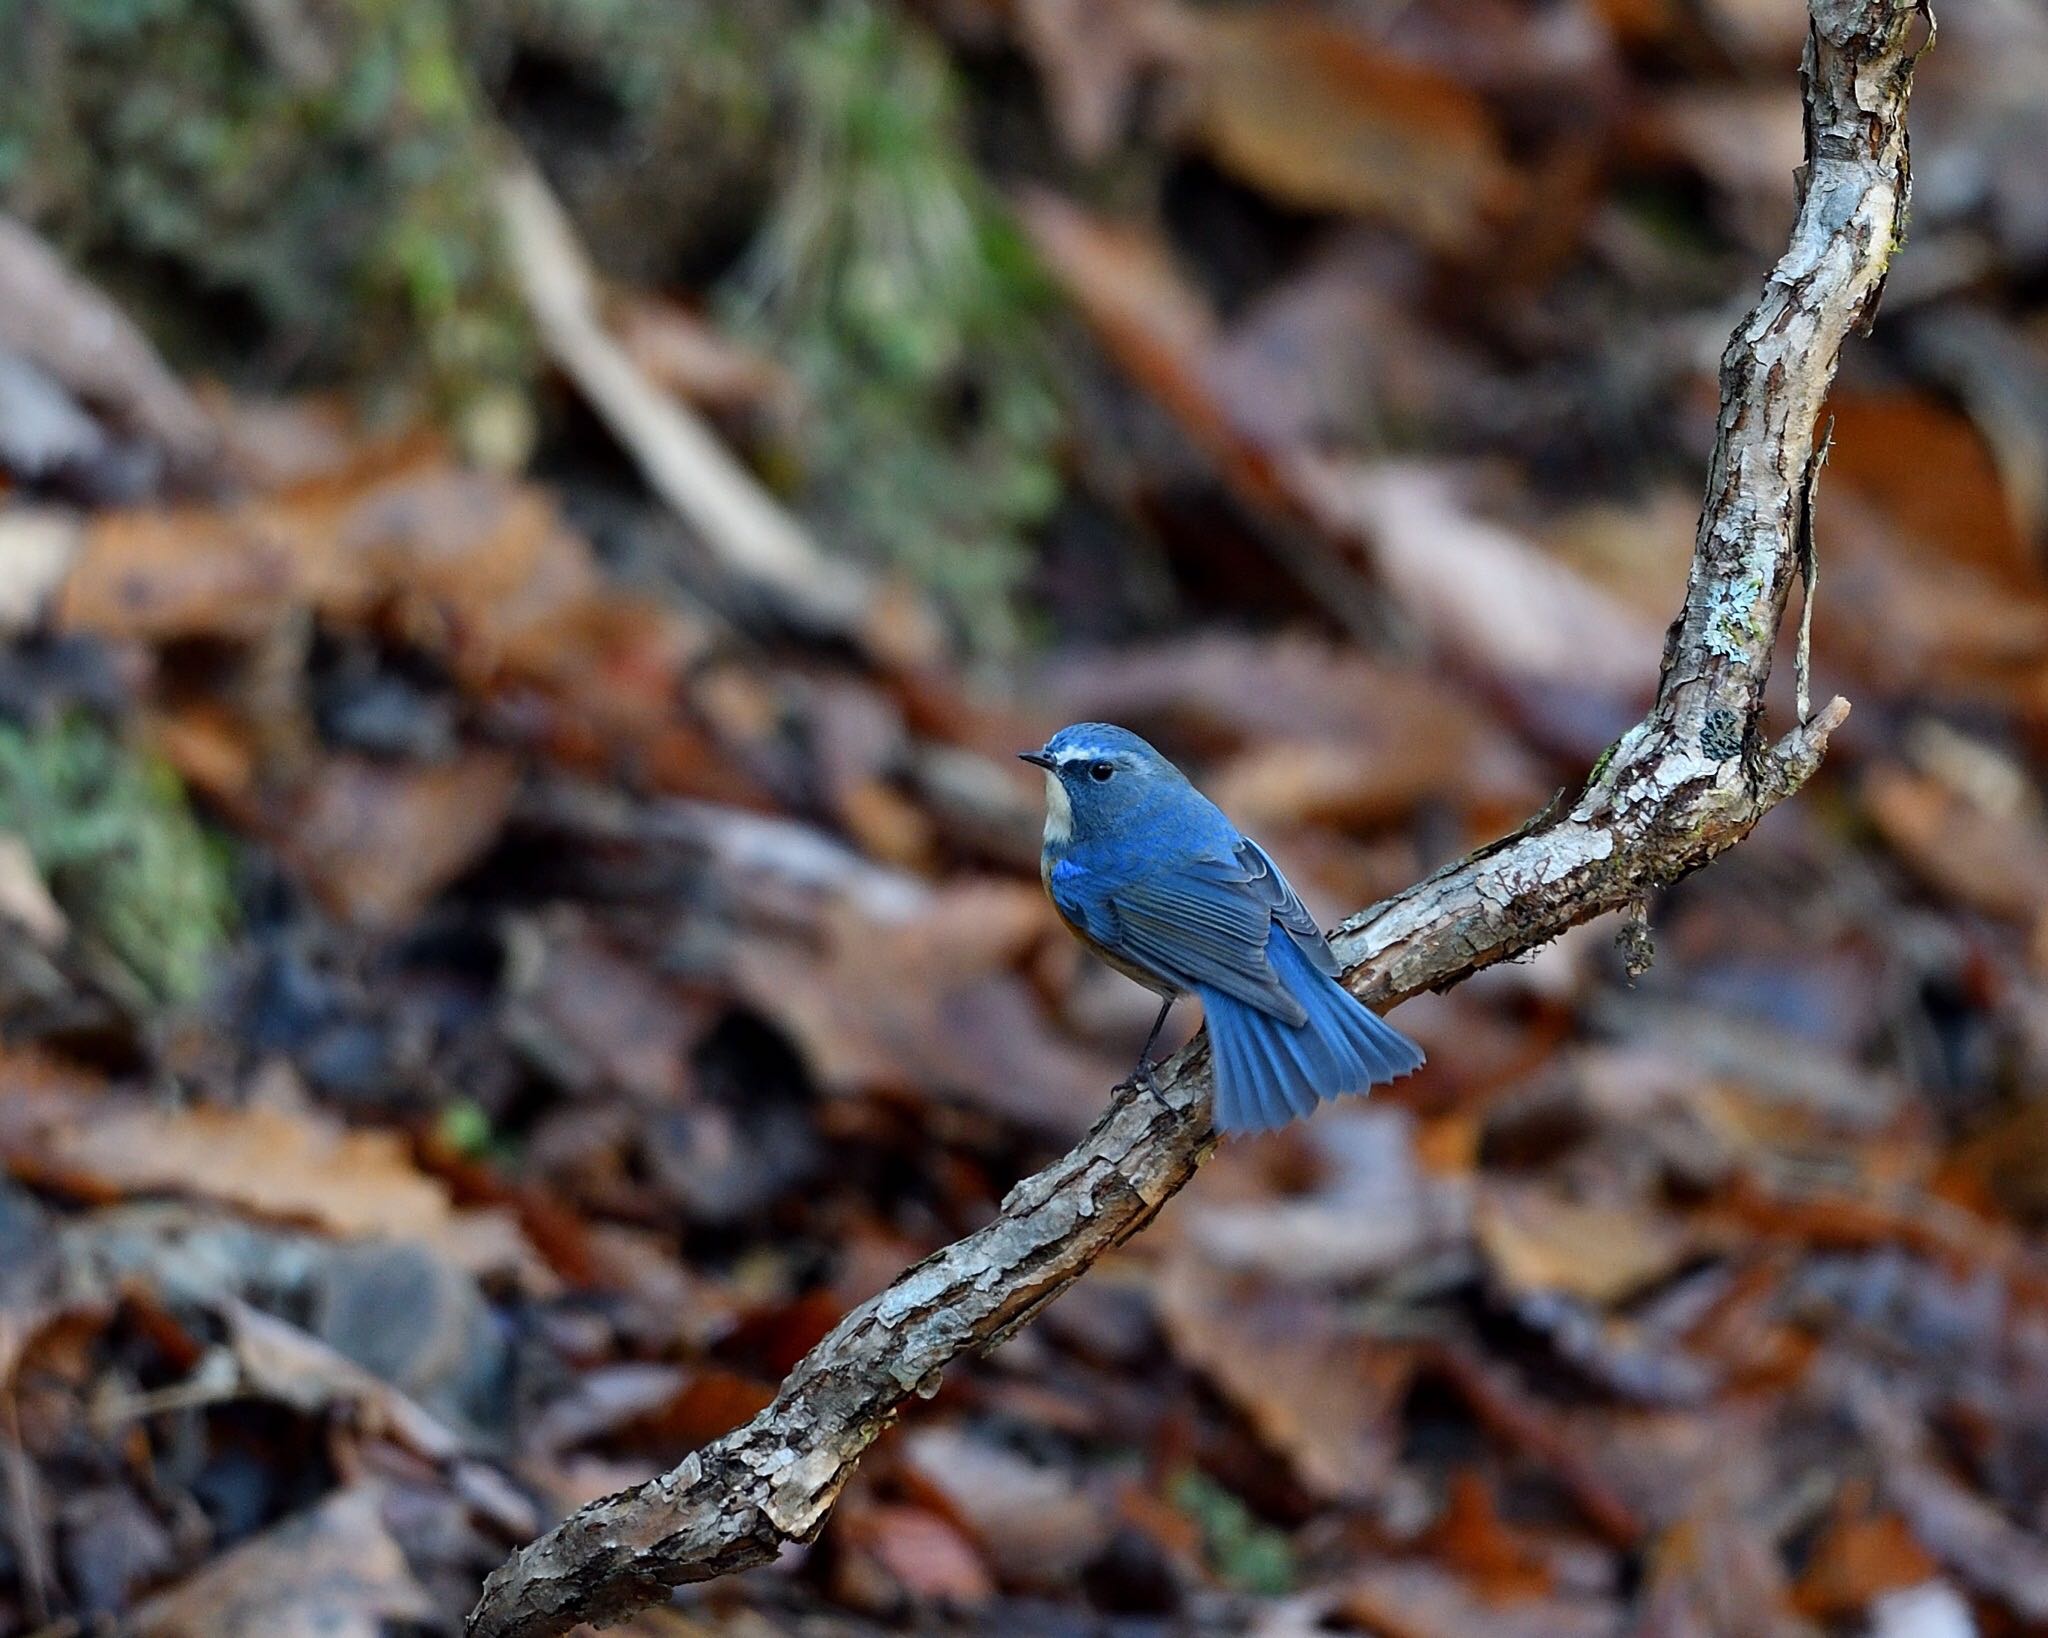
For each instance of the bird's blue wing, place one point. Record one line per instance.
(1207, 922)
(1263, 876)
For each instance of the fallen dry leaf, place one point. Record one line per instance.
(1965, 1532)
(1762, 29)
(1311, 112)
(1954, 1524)
(681, 353)
(276, 444)
(1906, 624)
(45, 437)
(279, 1361)
(1537, 1240)
(601, 1402)
(920, 1552)
(375, 842)
(291, 1166)
(711, 1403)
(1127, 285)
(334, 1572)
(1636, 549)
(1419, 1600)
(114, 1546)
(1716, 1572)
(1993, 856)
(1318, 1393)
(1929, 471)
(463, 562)
(935, 999)
(1154, 323)
(1472, 1538)
(1158, 328)
(1484, 593)
(2001, 374)
(1748, 142)
(1371, 1209)
(216, 752)
(468, 566)
(2003, 1166)
(600, 1020)
(1534, 1427)
(648, 1408)
(191, 571)
(1861, 1555)
(1035, 1523)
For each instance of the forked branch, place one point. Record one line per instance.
(1688, 781)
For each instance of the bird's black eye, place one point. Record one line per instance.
(1099, 771)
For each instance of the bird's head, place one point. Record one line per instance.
(1096, 776)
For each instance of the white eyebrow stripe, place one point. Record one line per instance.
(1083, 753)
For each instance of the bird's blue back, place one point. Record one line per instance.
(1157, 879)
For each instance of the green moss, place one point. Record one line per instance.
(318, 186)
(1245, 1554)
(112, 835)
(890, 279)
(465, 1129)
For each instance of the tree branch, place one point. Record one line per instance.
(1688, 781)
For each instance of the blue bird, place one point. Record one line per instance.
(1149, 874)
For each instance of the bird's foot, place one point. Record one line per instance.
(1143, 1079)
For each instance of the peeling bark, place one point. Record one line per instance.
(1687, 782)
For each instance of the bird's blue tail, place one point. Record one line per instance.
(1269, 1071)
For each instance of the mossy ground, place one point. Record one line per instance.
(302, 195)
(315, 195)
(112, 834)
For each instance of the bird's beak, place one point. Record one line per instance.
(1038, 759)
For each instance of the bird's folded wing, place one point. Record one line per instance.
(1207, 923)
(1262, 876)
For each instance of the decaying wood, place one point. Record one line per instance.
(1687, 782)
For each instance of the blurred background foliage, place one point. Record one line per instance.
(279, 199)
(891, 281)
(299, 197)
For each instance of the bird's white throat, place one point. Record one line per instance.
(1059, 812)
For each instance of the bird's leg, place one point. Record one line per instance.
(1142, 1075)
(1152, 1040)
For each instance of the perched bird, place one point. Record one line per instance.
(1147, 872)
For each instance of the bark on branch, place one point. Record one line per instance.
(1688, 781)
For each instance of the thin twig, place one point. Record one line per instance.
(73, 334)
(743, 526)
(1809, 577)
(29, 1524)
(1687, 782)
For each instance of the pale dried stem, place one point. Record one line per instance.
(751, 534)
